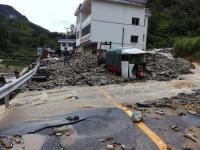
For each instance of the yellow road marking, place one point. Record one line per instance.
(153, 136)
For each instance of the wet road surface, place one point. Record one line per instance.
(87, 134)
(34, 115)
(98, 128)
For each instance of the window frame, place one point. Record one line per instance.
(135, 21)
(134, 39)
(63, 44)
(86, 30)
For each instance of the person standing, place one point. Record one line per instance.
(2, 80)
(17, 74)
(66, 57)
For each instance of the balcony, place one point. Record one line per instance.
(85, 38)
(86, 21)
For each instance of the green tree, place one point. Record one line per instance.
(3, 38)
(43, 40)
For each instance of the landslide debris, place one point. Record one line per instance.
(85, 71)
(82, 71)
(162, 68)
(190, 103)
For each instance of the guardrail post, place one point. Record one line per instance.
(7, 101)
(10, 87)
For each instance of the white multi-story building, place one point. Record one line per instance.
(122, 22)
(67, 44)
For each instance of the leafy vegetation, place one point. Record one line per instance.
(22, 38)
(171, 19)
(187, 48)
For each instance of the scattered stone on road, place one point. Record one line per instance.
(137, 117)
(110, 147)
(187, 148)
(175, 128)
(192, 112)
(6, 142)
(190, 136)
(73, 118)
(64, 130)
(144, 104)
(159, 112)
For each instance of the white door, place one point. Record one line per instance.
(125, 68)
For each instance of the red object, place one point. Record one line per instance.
(112, 69)
(140, 73)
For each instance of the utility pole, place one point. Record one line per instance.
(67, 34)
(67, 29)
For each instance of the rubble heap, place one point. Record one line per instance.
(183, 103)
(186, 102)
(191, 102)
(86, 71)
(162, 68)
(82, 71)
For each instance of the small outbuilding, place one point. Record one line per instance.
(129, 62)
(67, 44)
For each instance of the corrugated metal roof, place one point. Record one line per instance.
(133, 51)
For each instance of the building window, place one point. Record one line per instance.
(77, 35)
(134, 39)
(135, 21)
(63, 44)
(70, 44)
(86, 30)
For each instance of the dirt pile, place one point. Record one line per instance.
(86, 71)
(162, 68)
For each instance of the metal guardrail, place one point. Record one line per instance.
(10, 87)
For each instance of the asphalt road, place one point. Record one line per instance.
(103, 122)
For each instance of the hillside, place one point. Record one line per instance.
(20, 37)
(10, 12)
(171, 19)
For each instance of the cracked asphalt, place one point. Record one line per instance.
(40, 118)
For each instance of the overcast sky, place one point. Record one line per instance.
(53, 15)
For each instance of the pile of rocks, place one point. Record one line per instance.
(176, 113)
(86, 71)
(189, 102)
(162, 68)
(82, 71)
(10, 141)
